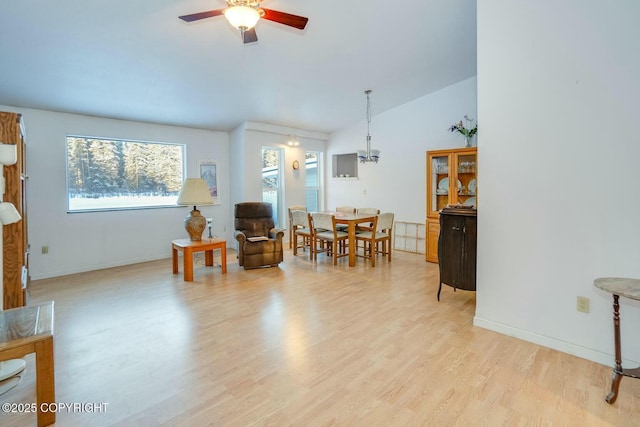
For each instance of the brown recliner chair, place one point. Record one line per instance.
(259, 242)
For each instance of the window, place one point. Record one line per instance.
(111, 174)
(271, 179)
(312, 172)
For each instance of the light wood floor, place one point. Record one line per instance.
(303, 345)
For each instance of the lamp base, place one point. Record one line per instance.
(195, 223)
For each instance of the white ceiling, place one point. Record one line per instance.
(135, 60)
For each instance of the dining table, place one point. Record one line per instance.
(352, 220)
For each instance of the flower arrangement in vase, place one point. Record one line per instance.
(467, 131)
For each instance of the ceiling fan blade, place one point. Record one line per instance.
(201, 15)
(295, 21)
(250, 36)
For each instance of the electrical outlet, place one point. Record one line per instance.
(45, 250)
(583, 304)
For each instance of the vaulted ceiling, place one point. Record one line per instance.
(135, 60)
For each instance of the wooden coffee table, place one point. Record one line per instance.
(27, 330)
(188, 247)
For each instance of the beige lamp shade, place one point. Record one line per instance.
(8, 154)
(195, 192)
(8, 213)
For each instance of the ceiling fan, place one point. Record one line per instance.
(245, 14)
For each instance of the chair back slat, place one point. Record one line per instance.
(322, 220)
(297, 208)
(346, 209)
(368, 211)
(299, 218)
(385, 222)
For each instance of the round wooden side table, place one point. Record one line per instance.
(628, 288)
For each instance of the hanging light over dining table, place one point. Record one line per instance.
(369, 155)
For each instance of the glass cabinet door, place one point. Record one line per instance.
(466, 176)
(439, 181)
(451, 180)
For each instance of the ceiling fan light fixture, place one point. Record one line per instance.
(242, 17)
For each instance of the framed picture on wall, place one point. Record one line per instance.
(208, 172)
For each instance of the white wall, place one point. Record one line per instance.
(558, 91)
(247, 155)
(404, 135)
(89, 241)
(236, 162)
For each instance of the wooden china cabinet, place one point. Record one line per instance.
(451, 180)
(15, 247)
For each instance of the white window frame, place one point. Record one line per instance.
(125, 199)
(277, 208)
(319, 188)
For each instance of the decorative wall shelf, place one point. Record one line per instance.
(344, 164)
(345, 178)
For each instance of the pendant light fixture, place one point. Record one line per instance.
(369, 155)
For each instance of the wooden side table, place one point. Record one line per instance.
(188, 247)
(628, 288)
(27, 330)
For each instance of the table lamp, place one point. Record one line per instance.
(194, 192)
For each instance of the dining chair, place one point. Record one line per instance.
(345, 209)
(379, 235)
(366, 211)
(291, 226)
(326, 237)
(302, 229)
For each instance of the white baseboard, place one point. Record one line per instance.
(98, 266)
(606, 359)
